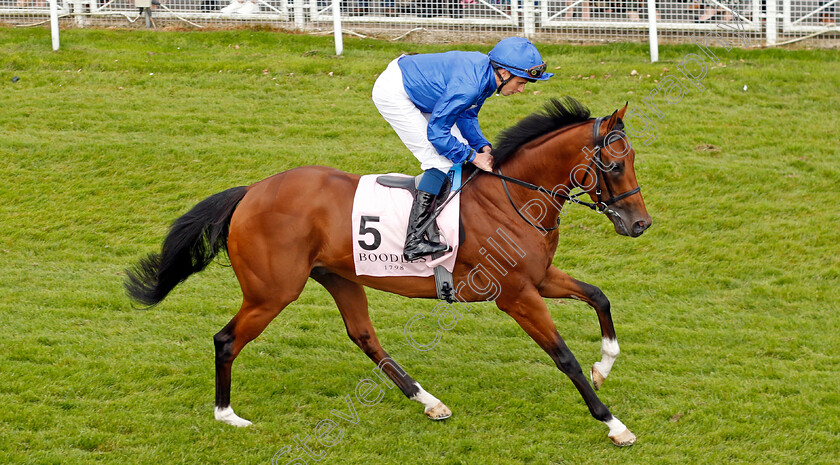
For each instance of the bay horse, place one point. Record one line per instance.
(296, 224)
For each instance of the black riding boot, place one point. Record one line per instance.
(416, 245)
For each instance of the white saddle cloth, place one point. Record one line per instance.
(380, 221)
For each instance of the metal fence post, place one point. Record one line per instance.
(313, 8)
(652, 32)
(529, 19)
(339, 42)
(78, 10)
(54, 23)
(770, 22)
(299, 15)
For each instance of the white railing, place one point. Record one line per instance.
(454, 12)
(671, 15)
(208, 10)
(32, 8)
(809, 16)
(466, 20)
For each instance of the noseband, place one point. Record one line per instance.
(601, 205)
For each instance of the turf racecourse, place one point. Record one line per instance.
(726, 309)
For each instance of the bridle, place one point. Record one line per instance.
(600, 206)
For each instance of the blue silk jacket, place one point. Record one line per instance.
(452, 86)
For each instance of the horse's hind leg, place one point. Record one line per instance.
(261, 303)
(352, 303)
(559, 285)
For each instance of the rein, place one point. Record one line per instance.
(601, 206)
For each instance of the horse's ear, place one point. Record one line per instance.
(622, 110)
(605, 129)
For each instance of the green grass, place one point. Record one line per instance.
(726, 309)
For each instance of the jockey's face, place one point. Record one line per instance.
(514, 86)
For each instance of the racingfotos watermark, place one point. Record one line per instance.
(480, 279)
(445, 316)
(692, 67)
(582, 176)
(328, 432)
(500, 253)
(671, 90)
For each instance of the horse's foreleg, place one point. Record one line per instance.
(530, 312)
(560, 285)
(352, 303)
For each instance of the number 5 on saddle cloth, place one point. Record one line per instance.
(380, 219)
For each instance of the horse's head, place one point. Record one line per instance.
(610, 177)
(564, 144)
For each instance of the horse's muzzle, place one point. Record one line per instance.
(639, 227)
(626, 228)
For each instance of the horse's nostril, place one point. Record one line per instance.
(639, 226)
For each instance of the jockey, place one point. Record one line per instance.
(432, 102)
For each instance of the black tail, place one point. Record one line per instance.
(193, 241)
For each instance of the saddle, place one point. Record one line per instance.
(444, 282)
(410, 184)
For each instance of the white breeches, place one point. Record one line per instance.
(408, 121)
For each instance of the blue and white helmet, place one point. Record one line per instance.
(520, 57)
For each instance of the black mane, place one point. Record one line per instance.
(556, 114)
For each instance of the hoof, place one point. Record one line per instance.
(625, 438)
(439, 412)
(226, 415)
(597, 377)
